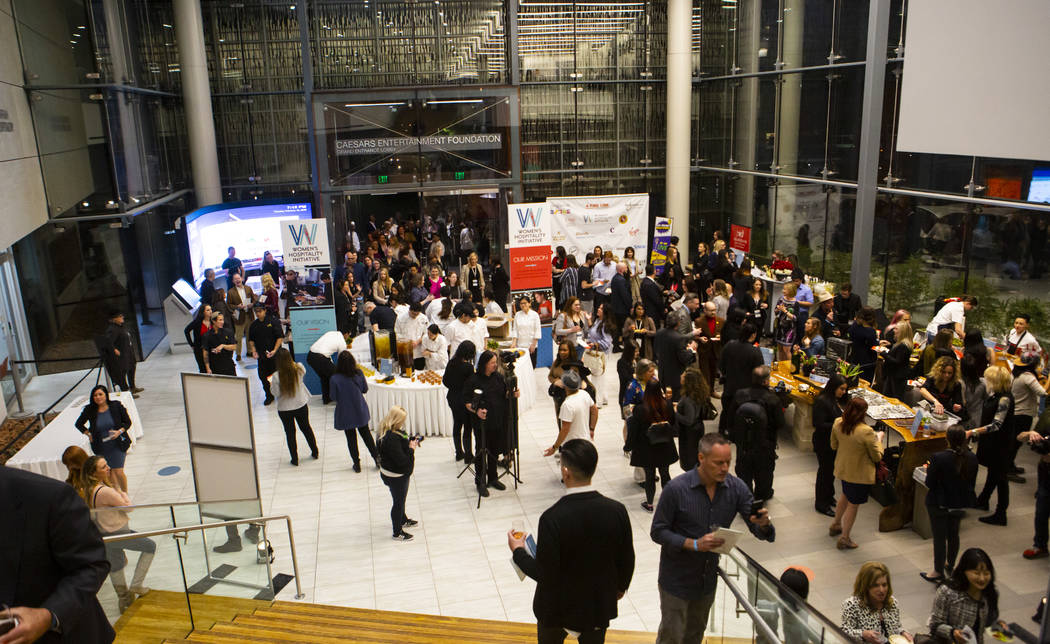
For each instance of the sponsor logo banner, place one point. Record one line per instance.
(661, 239)
(394, 144)
(305, 243)
(613, 222)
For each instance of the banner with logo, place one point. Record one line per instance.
(530, 246)
(740, 238)
(305, 243)
(661, 239)
(613, 222)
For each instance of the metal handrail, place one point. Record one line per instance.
(741, 599)
(221, 524)
(172, 505)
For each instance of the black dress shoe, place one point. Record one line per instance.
(357, 467)
(482, 490)
(993, 519)
(314, 454)
(295, 462)
(468, 459)
(496, 485)
(828, 512)
(268, 401)
(459, 457)
(1015, 478)
(933, 579)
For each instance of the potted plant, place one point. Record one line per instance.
(850, 372)
(808, 363)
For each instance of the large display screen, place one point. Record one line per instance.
(1039, 189)
(252, 228)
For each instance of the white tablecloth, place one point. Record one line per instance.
(43, 454)
(428, 410)
(427, 406)
(526, 383)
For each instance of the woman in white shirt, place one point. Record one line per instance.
(435, 348)
(527, 328)
(292, 396)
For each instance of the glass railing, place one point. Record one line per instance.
(772, 611)
(191, 549)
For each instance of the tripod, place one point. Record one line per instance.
(481, 457)
(513, 468)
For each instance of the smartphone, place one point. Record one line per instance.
(8, 624)
(756, 506)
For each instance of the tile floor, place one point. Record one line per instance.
(458, 564)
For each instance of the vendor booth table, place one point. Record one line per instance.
(43, 454)
(915, 450)
(426, 404)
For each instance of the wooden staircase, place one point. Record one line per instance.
(162, 617)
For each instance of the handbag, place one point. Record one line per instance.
(709, 412)
(659, 433)
(885, 494)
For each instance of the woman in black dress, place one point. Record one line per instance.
(994, 441)
(500, 283)
(896, 364)
(689, 416)
(827, 408)
(942, 388)
(103, 421)
(950, 478)
(195, 331)
(459, 370)
(491, 416)
(270, 266)
(650, 456)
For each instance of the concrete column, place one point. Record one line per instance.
(196, 96)
(679, 93)
(868, 162)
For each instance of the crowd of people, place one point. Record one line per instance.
(684, 341)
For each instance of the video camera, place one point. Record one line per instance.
(508, 358)
(477, 400)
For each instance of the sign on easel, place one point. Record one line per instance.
(530, 246)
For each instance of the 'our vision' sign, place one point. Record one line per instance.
(393, 144)
(305, 243)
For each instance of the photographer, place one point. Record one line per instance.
(397, 458)
(486, 399)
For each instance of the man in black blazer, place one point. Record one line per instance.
(52, 562)
(652, 296)
(673, 353)
(739, 357)
(584, 554)
(620, 302)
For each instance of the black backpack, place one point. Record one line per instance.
(749, 425)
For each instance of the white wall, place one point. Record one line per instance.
(975, 79)
(23, 206)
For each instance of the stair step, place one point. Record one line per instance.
(395, 630)
(344, 614)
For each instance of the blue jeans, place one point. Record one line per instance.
(399, 492)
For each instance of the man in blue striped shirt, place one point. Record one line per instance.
(691, 508)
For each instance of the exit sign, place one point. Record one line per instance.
(461, 175)
(383, 178)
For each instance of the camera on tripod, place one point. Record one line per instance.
(477, 400)
(508, 358)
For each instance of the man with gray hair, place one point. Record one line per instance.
(691, 508)
(756, 416)
(578, 415)
(683, 317)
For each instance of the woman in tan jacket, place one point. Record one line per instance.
(859, 449)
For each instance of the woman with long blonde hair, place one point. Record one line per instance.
(270, 297)
(105, 502)
(397, 459)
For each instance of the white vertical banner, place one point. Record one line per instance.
(305, 243)
(613, 222)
